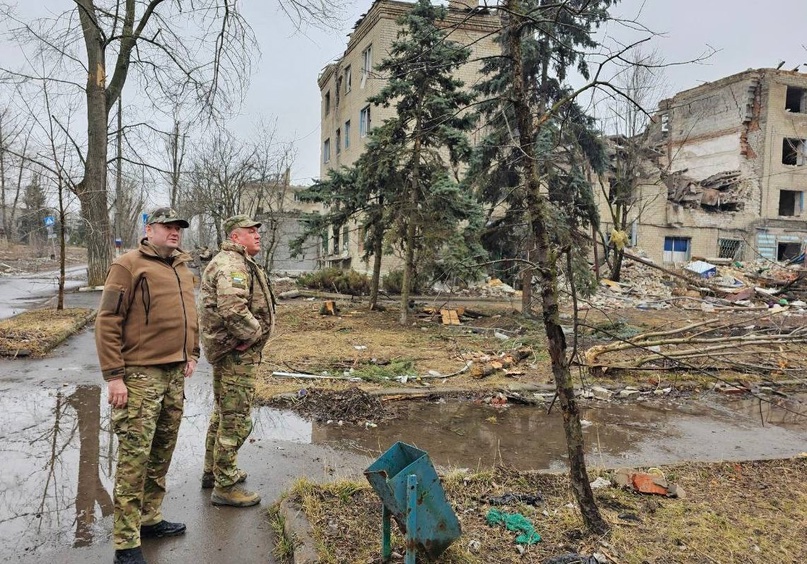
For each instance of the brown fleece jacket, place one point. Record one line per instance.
(147, 314)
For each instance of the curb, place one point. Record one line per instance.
(297, 528)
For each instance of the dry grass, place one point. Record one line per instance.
(35, 332)
(752, 512)
(373, 346)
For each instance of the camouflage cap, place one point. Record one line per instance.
(166, 215)
(239, 221)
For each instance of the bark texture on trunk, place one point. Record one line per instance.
(546, 258)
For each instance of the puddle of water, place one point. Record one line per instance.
(469, 435)
(59, 452)
(59, 458)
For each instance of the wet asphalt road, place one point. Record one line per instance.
(58, 467)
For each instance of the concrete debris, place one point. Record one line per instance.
(760, 283)
(724, 191)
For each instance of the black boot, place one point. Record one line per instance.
(129, 556)
(162, 529)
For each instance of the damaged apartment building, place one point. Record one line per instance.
(346, 84)
(729, 172)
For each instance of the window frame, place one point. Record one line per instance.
(365, 121)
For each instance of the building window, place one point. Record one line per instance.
(325, 243)
(796, 100)
(730, 249)
(791, 202)
(787, 250)
(366, 64)
(665, 125)
(327, 102)
(338, 141)
(326, 150)
(364, 121)
(348, 79)
(793, 151)
(676, 249)
(335, 240)
(345, 239)
(347, 134)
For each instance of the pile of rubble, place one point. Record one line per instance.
(706, 286)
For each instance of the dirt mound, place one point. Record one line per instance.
(350, 406)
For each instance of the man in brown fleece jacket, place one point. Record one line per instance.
(147, 338)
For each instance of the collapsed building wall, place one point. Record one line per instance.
(731, 174)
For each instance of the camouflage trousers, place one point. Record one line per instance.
(147, 434)
(231, 422)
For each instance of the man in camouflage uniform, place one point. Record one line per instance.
(147, 341)
(236, 312)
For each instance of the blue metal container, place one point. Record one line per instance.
(405, 480)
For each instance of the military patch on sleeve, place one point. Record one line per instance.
(239, 279)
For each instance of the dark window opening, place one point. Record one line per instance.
(790, 202)
(730, 249)
(787, 251)
(793, 151)
(795, 99)
(336, 241)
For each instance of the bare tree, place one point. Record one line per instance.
(229, 176)
(15, 138)
(168, 44)
(628, 117)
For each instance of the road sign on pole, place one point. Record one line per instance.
(50, 221)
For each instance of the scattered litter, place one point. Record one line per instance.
(509, 498)
(599, 483)
(650, 482)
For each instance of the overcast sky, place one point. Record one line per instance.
(745, 34)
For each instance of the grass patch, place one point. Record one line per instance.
(751, 512)
(384, 373)
(283, 549)
(35, 332)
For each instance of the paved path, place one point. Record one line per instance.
(58, 467)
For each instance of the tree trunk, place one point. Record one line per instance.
(409, 262)
(411, 227)
(92, 191)
(547, 275)
(375, 281)
(526, 281)
(616, 271)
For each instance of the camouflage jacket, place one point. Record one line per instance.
(147, 315)
(236, 305)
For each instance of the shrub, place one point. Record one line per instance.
(336, 280)
(393, 282)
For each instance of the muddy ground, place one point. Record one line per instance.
(323, 367)
(495, 349)
(732, 512)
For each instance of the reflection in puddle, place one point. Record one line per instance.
(56, 468)
(469, 435)
(59, 457)
(58, 451)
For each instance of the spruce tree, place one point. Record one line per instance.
(429, 136)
